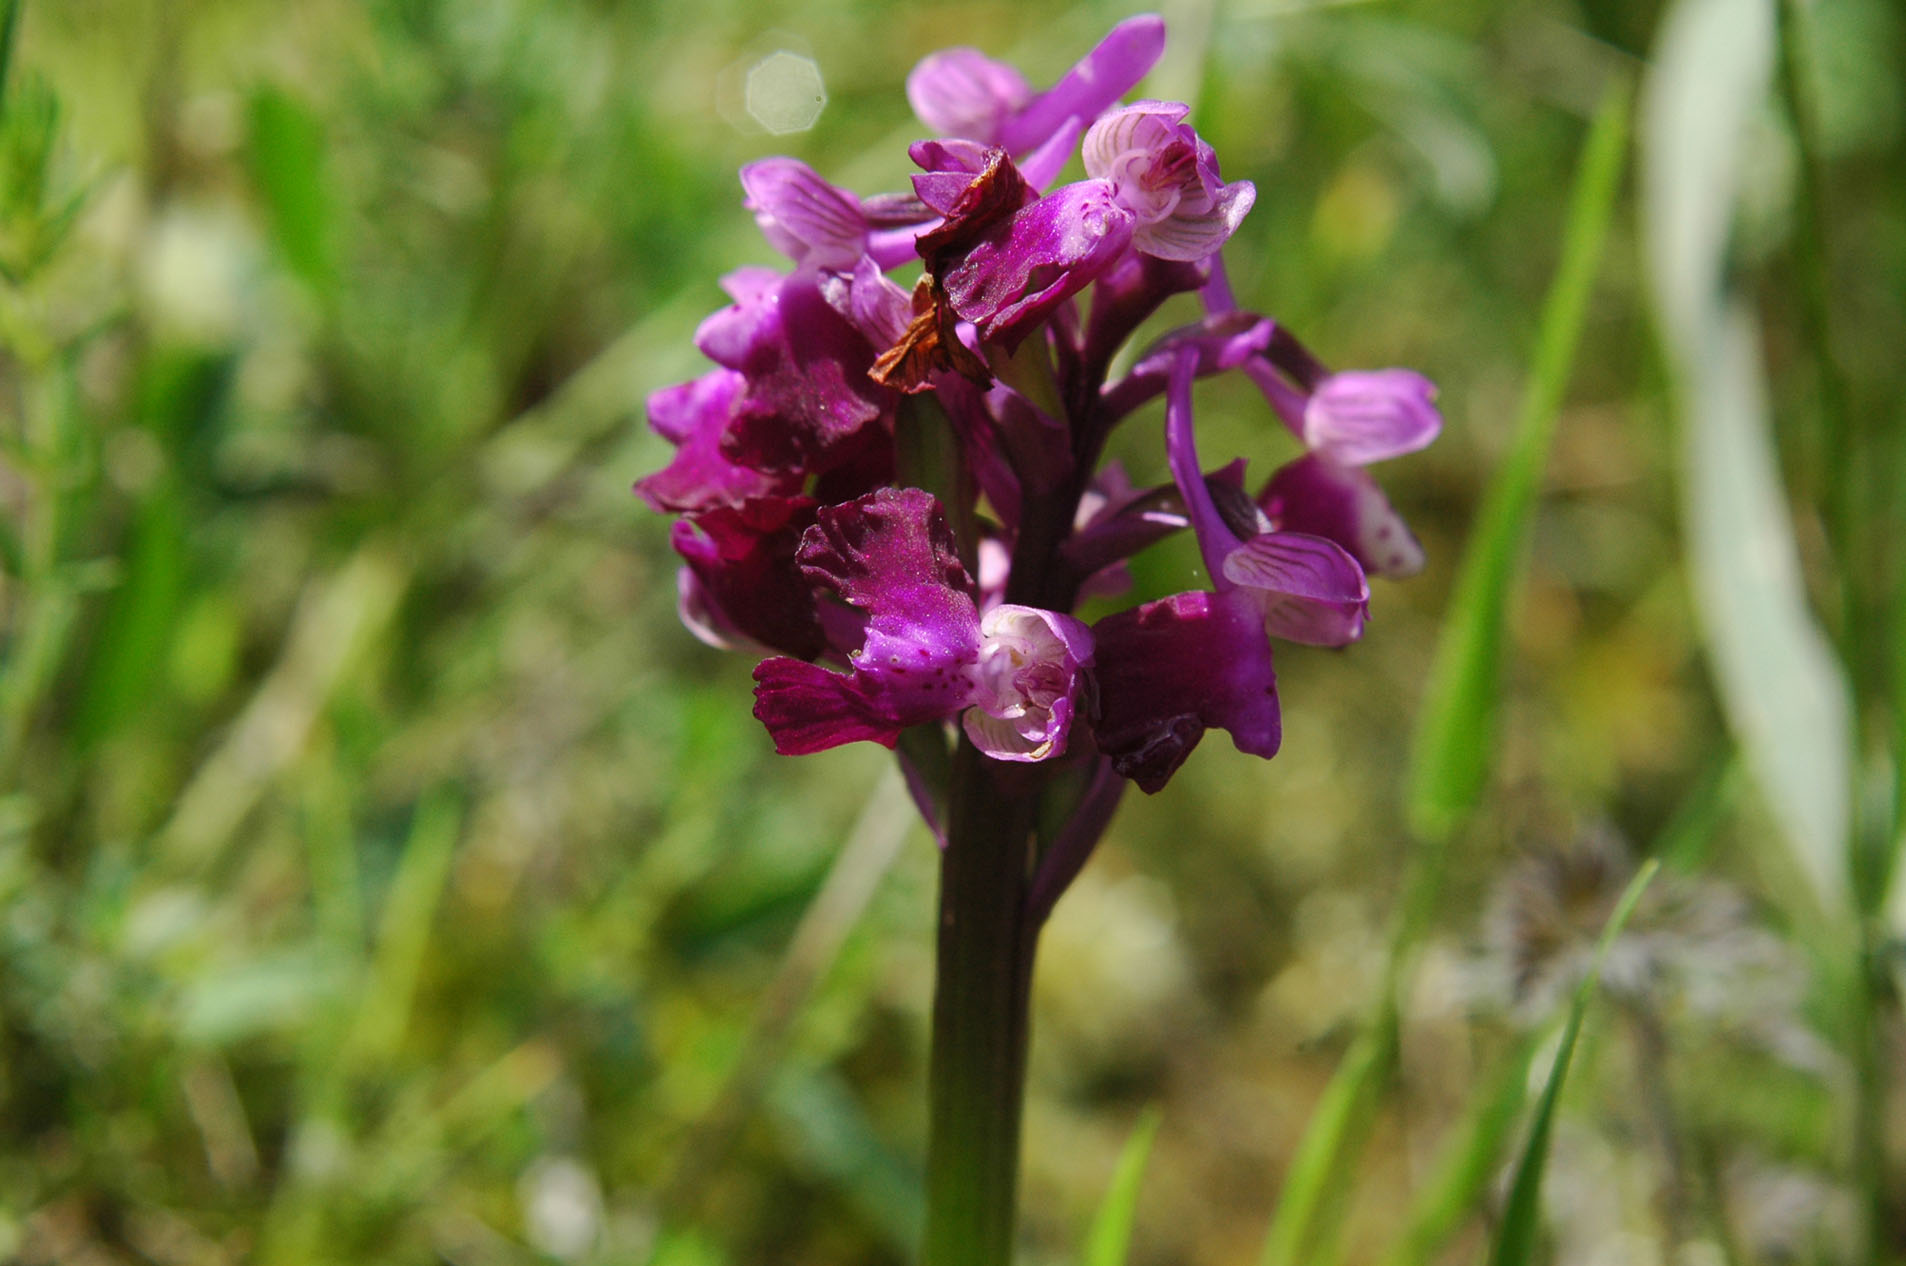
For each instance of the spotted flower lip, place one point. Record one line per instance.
(961, 92)
(1014, 677)
(1165, 174)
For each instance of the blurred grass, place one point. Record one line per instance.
(386, 877)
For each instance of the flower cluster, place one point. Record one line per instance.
(898, 493)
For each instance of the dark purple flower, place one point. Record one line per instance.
(1169, 670)
(694, 416)
(747, 581)
(1174, 668)
(1012, 676)
(807, 404)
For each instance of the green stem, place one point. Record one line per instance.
(982, 992)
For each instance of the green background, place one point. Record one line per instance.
(386, 876)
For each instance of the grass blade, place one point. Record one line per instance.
(1450, 757)
(1466, 1164)
(1111, 1234)
(9, 30)
(1516, 1238)
(288, 164)
(1312, 1201)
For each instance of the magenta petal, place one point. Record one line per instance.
(1365, 416)
(1046, 253)
(880, 308)
(891, 554)
(808, 709)
(749, 282)
(729, 335)
(744, 560)
(947, 169)
(1215, 537)
(961, 92)
(1308, 588)
(695, 416)
(1126, 54)
(809, 404)
(1316, 495)
(1171, 669)
(976, 190)
(886, 550)
(802, 216)
(677, 413)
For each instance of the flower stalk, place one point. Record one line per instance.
(981, 1013)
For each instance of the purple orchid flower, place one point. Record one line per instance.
(1165, 174)
(797, 543)
(961, 92)
(694, 416)
(1316, 495)
(822, 225)
(807, 403)
(1013, 676)
(1307, 588)
(1172, 669)
(886, 611)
